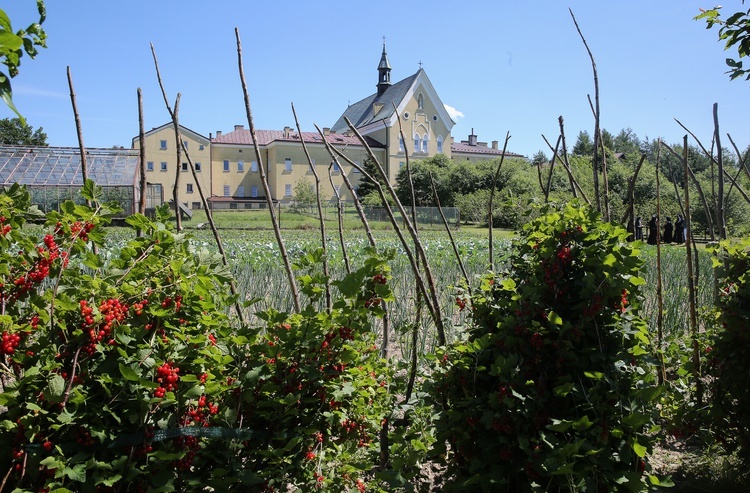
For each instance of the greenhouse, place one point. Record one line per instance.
(53, 174)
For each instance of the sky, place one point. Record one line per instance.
(503, 68)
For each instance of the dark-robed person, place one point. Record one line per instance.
(638, 228)
(679, 230)
(653, 230)
(668, 229)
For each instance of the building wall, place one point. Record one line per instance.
(161, 164)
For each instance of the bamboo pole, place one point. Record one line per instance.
(659, 286)
(596, 115)
(142, 164)
(264, 181)
(492, 196)
(720, 212)
(323, 241)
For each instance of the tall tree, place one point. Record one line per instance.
(14, 131)
(584, 146)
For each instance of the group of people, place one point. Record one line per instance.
(673, 232)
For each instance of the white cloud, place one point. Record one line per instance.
(453, 113)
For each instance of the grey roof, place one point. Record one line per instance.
(61, 166)
(361, 113)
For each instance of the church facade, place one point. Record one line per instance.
(401, 120)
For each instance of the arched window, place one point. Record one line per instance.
(420, 101)
(400, 144)
(424, 143)
(440, 144)
(417, 140)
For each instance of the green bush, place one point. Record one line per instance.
(551, 389)
(729, 356)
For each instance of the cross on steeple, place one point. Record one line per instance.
(420, 64)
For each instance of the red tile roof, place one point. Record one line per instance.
(265, 137)
(484, 150)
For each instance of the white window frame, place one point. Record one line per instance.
(163, 145)
(197, 167)
(440, 144)
(149, 165)
(417, 142)
(254, 191)
(226, 166)
(163, 166)
(401, 144)
(288, 190)
(254, 166)
(240, 166)
(425, 141)
(287, 164)
(227, 191)
(189, 188)
(241, 191)
(184, 167)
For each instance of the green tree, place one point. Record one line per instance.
(367, 187)
(735, 30)
(12, 47)
(584, 146)
(539, 158)
(15, 131)
(304, 195)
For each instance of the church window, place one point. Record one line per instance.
(424, 143)
(417, 140)
(400, 144)
(440, 143)
(420, 101)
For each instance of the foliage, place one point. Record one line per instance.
(736, 31)
(124, 372)
(14, 131)
(12, 47)
(551, 390)
(304, 196)
(367, 188)
(729, 358)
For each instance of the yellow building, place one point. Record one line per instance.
(162, 166)
(410, 107)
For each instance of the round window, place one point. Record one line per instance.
(434, 118)
(406, 116)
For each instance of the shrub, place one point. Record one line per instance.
(123, 371)
(729, 355)
(550, 389)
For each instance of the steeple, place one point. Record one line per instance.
(384, 72)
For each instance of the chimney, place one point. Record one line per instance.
(472, 138)
(287, 131)
(238, 127)
(494, 144)
(326, 131)
(218, 133)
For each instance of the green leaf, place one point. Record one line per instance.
(128, 373)
(6, 93)
(76, 473)
(596, 375)
(56, 387)
(639, 449)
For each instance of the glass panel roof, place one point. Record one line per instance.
(62, 166)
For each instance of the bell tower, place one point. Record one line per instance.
(384, 72)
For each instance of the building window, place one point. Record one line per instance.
(162, 144)
(420, 101)
(336, 167)
(201, 147)
(197, 167)
(185, 143)
(241, 191)
(189, 188)
(163, 166)
(184, 167)
(226, 165)
(149, 166)
(417, 140)
(400, 164)
(196, 205)
(254, 166)
(424, 144)
(226, 191)
(240, 166)
(254, 191)
(288, 190)
(287, 164)
(401, 145)
(440, 143)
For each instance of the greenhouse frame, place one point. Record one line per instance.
(53, 175)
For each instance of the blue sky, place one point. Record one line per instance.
(505, 67)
